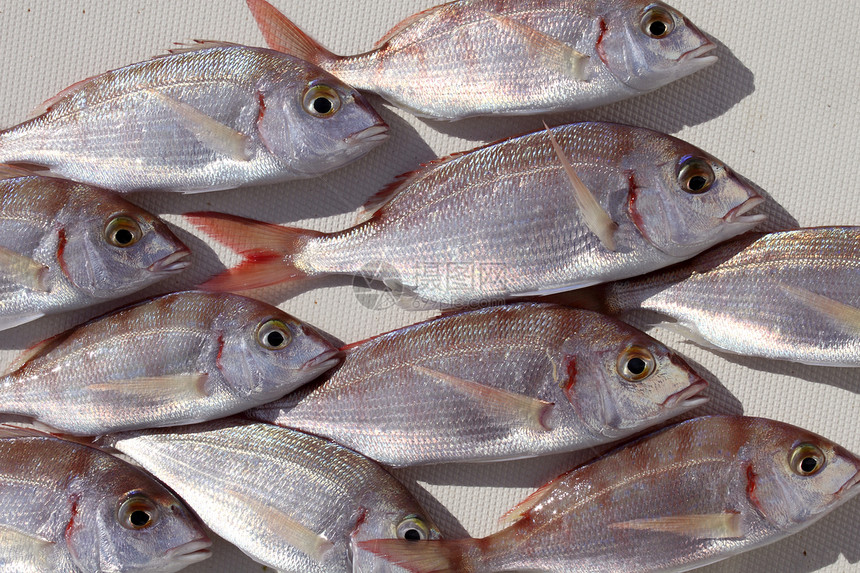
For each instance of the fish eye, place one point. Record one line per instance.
(273, 334)
(695, 175)
(413, 529)
(122, 231)
(806, 460)
(657, 23)
(137, 511)
(321, 101)
(635, 364)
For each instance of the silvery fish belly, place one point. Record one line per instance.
(554, 210)
(479, 57)
(66, 245)
(681, 498)
(289, 500)
(792, 295)
(210, 117)
(69, 508)
(499, 383)
(178, 359)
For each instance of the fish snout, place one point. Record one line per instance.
(736, 215)
(172, 263)
(689, 397)
(850, 487)
(323, 361)
(191, 552)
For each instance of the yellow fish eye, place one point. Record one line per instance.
(806, 460)
(413, 529)
(273, 334)
(657, 23)
(137, 511)
(695, 175)
(635, 364)
(122, 231)
(321, 101)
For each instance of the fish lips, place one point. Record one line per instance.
(190, 553)
(172, 263)
(736, 216)
(689, 397)
(373, 134)
(323, 361)
(696, 59)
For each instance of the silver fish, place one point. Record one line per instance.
(69, 508)
(499, 383)
(792, 295)
(686, 496)
(546, 212)
(289, 500)
(479, 57)
(214, 116)
(65, 245)
(177, 359)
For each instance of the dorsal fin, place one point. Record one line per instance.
(195, 46)
(402, 25)
(8, 432)
(46, 105)
(35, 350)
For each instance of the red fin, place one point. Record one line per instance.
(268, 250)
(397, 29)
(46, 105)
(436, 556)
(284, 36)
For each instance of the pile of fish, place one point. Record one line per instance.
(274, 435)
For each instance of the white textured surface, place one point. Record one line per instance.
(781, 108)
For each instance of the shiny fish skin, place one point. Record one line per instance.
(60, 229)
(681, 498)
(60, 509)
(750, 296)
(199, 120)
(480, 57)
(178, 359)
(381, 404)
(502, 220)
(299, 482)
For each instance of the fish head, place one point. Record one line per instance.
(133, 524)
(316, 123)
(389, 520)
(623, 380)
(115, 248)
(683, 200)
(266, 353)
(647, 44)
(794, 476)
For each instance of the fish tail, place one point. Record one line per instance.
(269, 250)
(434, 556)
(284, 36)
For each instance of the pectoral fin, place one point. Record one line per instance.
(209, 132)
(726, 525)
(308, 542)
(23, 270)
(522, 509)
(170, 387)
(595, 216)
(842, 315)
(521, 407)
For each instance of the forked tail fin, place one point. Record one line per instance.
(434, 556)
(284, 36)
(268, 250)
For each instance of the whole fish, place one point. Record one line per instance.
(213, 116)
(499, 383)
(66, 245)
(289, 500)
(792, 295)
(550, 211)
(69, 508)
(479, 57)
(177, 359)
(681, 498)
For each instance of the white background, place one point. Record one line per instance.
(780, 108)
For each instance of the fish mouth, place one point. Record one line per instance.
(324, 361)
(698, 57)
(374, 133)
(172, 263)
(688, 397)
(192, 552)
(736, 215)
(850, 486)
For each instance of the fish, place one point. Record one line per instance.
(506, 219)
(789, 295)
(480, 57)
(689, 495)
(177, 359)
(226, 116)
(68, 507)
(288, 500)
(66, 245)
(498, 383)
